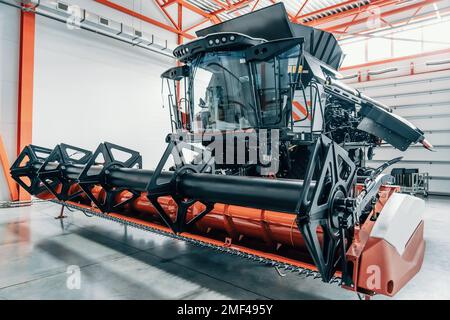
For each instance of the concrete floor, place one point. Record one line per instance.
(118, 262)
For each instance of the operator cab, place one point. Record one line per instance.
(231, 81)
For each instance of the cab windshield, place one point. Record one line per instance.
(221, 92)
(232, 90)
(274, 79)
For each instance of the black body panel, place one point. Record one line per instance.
(393, 129)
(272, 23)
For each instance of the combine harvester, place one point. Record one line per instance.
(265, 161)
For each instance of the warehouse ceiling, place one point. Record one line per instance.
(343, 17)
(296, 9)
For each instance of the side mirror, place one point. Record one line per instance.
(176, 73)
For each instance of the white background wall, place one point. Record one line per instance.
(9, 62)
(90, 89)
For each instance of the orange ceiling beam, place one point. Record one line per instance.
(168, 3)
(180, 23)
(254, 5)
(229, 6)
(166, 14)
(196, 25)
(353, 20)
(207, 16)
(195, 9)
(301, 9)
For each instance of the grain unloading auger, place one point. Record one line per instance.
(244, 173)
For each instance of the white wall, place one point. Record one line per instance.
(9, 60)
(90, 89)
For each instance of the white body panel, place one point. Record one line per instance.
(398, 220)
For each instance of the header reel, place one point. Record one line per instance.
(107, 157)
(52, 172)
(26, 167)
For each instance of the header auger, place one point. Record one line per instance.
(265, 160)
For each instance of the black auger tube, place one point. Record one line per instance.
(136, 179)
(259, 193)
